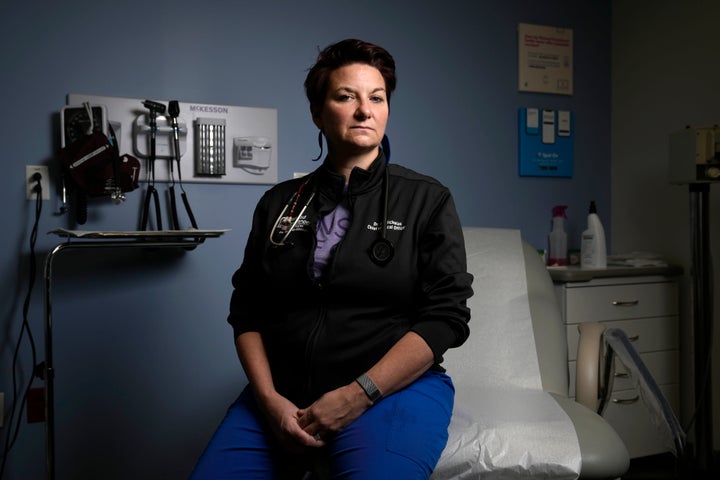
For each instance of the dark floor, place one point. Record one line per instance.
(652, 467)
(663, 467)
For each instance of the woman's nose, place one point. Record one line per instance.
(363, 111)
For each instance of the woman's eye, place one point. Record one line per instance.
(377, 99)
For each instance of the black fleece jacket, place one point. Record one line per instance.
(321, 334)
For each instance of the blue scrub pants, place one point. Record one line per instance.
(401, 437)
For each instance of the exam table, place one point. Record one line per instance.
(514, 417)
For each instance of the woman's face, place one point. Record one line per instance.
(355, 112)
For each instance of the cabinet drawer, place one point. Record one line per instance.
(646, 334)
(617, 302)
(632, 421)
(663, 366)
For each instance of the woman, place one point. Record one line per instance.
(365, 263)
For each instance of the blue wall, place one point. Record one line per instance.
(144, 359)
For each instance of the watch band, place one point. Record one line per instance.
(371, 390)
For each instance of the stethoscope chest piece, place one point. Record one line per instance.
(381, 251)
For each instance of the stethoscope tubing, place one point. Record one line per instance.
(282, 243)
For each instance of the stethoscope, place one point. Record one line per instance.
(381, 251)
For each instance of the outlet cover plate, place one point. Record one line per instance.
(30, 170)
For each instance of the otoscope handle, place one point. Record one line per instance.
(174, 108)
(173, 113)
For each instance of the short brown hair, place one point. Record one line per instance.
(343, 53)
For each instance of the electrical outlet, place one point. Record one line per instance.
(30, 183)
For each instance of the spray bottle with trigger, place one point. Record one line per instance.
(558, 237)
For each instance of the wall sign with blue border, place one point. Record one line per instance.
(546, 142)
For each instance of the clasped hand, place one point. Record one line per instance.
(310, 427)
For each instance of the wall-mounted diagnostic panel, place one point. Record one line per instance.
(216, 143)
(545, 142)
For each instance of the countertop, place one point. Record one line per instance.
(577, 274)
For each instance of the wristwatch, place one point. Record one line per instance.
(371, 390)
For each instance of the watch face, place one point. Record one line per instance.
(76, 122)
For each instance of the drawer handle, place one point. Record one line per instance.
(622, 375)
(629, 303)
(634, 338)
(626, 401)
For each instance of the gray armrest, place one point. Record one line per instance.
(604, 455)
(587, 378)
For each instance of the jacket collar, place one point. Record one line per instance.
(332, 184)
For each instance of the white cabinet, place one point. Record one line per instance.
(646, 308)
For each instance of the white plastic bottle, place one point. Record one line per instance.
(558, 237)
(593, 252)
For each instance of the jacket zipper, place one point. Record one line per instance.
(311, 344)
(310, 348)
